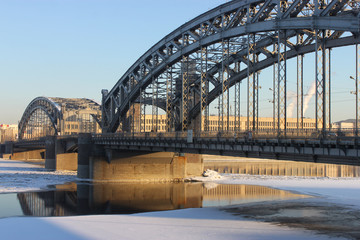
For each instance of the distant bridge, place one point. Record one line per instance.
(46, 116)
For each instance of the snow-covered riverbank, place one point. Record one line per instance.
(203, 223)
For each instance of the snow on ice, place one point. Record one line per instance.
(202, 223)
(16, 176)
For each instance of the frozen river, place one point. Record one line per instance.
(255, 207)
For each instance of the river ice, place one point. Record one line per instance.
(202, 223)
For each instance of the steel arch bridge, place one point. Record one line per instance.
(46, 116)
(198, 63)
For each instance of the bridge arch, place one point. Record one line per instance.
(208, 49)
(43, 105)
(46, 116)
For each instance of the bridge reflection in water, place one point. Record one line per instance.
(280, 168)
(126, 198)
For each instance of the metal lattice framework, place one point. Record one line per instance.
(45, 116)
(198, 62)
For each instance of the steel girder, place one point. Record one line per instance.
(230, 20)
(291, 53)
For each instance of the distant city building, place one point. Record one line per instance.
(343, 125)
(8, 132)
(158, 123)
(80, 118)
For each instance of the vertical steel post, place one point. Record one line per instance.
(252, 84)
(300, 86)
(225, 85)
(281, 78)
(275, 86)
(185, 87)
(204, 124)
(237, 124)
(169, 97)
(132, 79)
(320, 65)
(141, 113)
(156, 106)
(256, 100)
(328, 86)
(357, 89)
(153, 105)
(220, 123)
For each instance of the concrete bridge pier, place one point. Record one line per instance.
(130, 165)
(2, 150)
(56, 157)
(9, 147)
(6, 149)
(50, 153)
(85, 151)
(9, 151)
(101, 163)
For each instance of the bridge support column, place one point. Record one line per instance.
(123, 165)
(28, 155)
(6, 150)
(50, 153)
(9, 147)
(194, 164)
(2, 150)
(84, 153)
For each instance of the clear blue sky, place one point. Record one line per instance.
(75, 48)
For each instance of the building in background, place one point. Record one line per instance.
(158, 123)
(8, 132)
(344, 125)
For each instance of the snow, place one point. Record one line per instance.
(211, 174)
(180, 224)
(337, 190)
(202, 223)
(16, 176)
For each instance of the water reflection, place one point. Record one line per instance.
(283, 168)
(128, 198)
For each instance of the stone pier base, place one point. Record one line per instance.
(29, 155)
(56, 156)
(124, 165)
(101, 163)
(67, 161)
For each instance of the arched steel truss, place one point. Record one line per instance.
(200, 61)
(48, 106)
(54, 109)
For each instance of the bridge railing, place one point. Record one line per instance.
(306, 134)
(238, 135)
